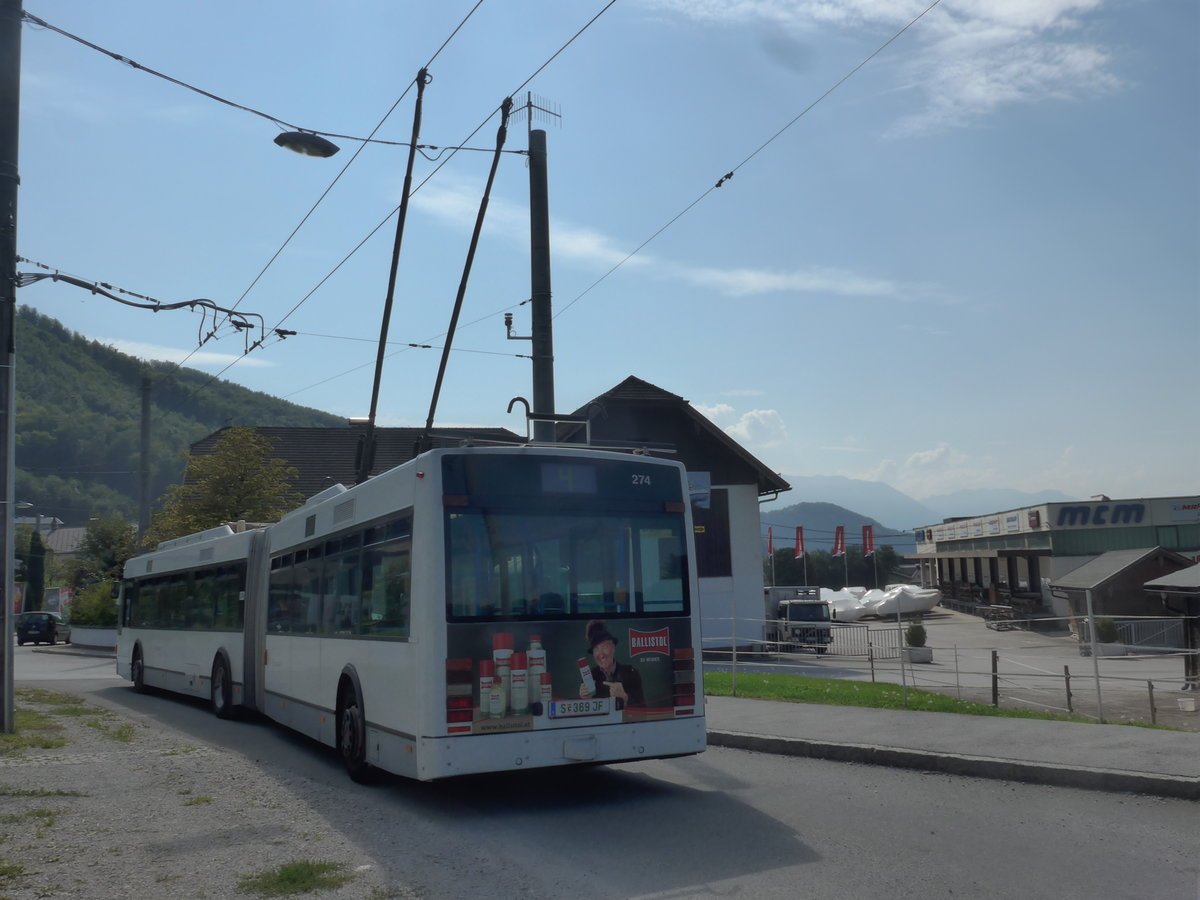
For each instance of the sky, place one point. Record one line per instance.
(960, 247)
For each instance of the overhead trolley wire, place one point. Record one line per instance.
(424, 181)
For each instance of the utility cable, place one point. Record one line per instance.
(424, 181)
(275, 120)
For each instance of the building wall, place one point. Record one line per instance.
(731, 608)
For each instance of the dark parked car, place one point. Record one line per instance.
(42, 627)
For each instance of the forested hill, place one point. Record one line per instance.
(78, 421)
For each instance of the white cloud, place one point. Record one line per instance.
(973, 56)
(716, 412)
(743, 282)
(456, 204)
(759, 428)
(942, 455)
(194, 359)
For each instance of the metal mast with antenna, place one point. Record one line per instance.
(541, 313)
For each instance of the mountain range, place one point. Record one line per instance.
(882, 503)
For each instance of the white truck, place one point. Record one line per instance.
(797, 618)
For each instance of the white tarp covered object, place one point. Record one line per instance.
(844, 605)
(848, 605)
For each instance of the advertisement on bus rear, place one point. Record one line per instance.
(520, 676)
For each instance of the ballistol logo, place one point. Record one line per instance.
(649, 642)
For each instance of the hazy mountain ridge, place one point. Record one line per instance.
(982, 501)
(880, 502)
(820, 521)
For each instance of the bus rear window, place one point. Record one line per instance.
(547, 565)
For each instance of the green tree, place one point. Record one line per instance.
(107, 544)
(95, 605)
(35, 572)
(238, 480)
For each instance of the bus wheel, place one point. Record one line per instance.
(137, 671)
(352, 737)
(221, 693)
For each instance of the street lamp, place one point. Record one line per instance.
(306, 143)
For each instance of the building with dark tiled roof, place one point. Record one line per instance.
(324, 457)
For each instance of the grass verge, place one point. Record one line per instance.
(298, 877)
(875, 695)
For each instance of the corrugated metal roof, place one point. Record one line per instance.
(1185, 580)
(1108, 565)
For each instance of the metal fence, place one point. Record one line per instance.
(1012, 667)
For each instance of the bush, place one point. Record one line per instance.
(94, 605)
(914, 635)
(1107, 632)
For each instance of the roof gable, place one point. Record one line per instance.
(640, 414)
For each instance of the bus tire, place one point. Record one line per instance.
(352, 735)
(221, 689)
(137, 671)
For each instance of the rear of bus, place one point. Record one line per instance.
(571, 619)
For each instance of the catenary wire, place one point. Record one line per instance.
(282, 123)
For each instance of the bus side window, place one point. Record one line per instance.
(385, 591)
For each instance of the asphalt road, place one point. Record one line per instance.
(725, 823)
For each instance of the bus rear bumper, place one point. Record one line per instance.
(472, 754)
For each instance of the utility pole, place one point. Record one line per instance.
(539, 265)
(10, 116)
(144, 467)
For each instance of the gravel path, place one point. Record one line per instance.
(130, 809)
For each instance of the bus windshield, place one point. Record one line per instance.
(551, 565)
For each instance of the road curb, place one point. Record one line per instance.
(1111, 780)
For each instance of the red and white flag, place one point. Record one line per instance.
(770, 542)
(839, 541)
(799, 541)
(868, 540)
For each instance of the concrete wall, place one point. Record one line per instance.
(733, 607)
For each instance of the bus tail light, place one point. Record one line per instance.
(458, 696)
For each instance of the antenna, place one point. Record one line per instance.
(540, 109)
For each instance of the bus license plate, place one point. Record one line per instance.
(565, 709)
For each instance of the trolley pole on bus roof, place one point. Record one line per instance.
(10, 107)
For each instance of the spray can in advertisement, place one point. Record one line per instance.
(496, 698)
(518, 695)
(502, 644)
(547, 692)
(537, 659)
(585, 673)
(537, 666)
(487, 674)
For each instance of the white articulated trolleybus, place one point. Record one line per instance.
(461, 613)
